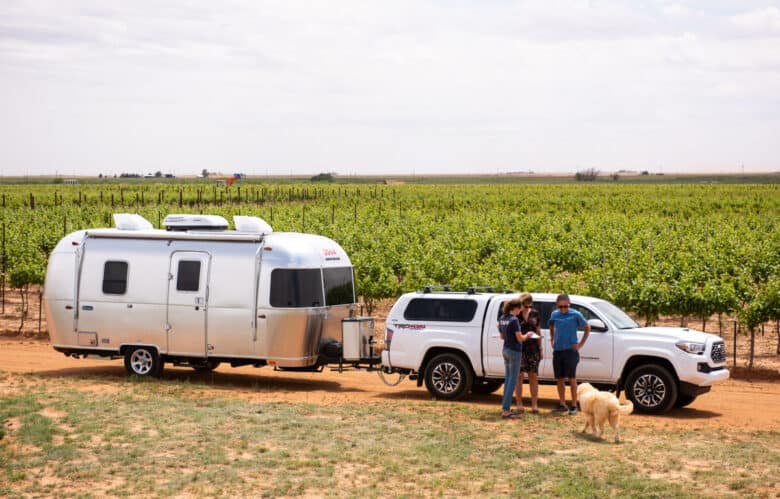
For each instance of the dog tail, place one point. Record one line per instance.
(626, 408)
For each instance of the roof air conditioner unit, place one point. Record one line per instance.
(195, 222)
(131, 221)
(253, 225)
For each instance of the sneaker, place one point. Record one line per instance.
(573, 411)
(562, 409)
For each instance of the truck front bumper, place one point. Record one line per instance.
(705, 379)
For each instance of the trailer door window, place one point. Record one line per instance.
(424, 309)
(115, 278)
(339, 288)
(188, 276)
(296, 288)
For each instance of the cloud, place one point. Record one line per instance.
(383, 85)
(759, 23)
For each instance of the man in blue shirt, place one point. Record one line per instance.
(564, 323)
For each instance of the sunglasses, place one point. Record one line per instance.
(528, 305)
(563, 306)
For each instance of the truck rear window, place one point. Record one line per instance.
(441, 310)
(296, 288)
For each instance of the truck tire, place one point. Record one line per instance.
(651, 388)
(486, 386)
(448, 377)
(143, 361)
(684, 400)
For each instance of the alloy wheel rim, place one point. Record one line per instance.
(446, 377)
(141, 361)
(649, 390)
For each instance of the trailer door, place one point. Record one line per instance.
(188, 290)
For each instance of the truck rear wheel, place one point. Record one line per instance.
(651, 388)
(486, 386)
(448, 377)
(143, 361)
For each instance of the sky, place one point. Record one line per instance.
(381, 87)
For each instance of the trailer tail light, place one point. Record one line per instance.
(388, 337)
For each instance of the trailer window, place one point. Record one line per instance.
(339, 287)
(296, 288)
(188, 276)
(115, 278)
(424, 309)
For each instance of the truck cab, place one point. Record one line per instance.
(450, 341)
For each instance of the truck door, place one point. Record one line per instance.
(596, 355)
(188, 284)
(493, 344)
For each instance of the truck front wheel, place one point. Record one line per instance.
(651, 388)
(448, 377)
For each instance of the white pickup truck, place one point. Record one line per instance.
(450, 341)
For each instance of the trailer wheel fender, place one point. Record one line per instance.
(143, 361)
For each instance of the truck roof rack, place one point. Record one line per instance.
(470, 290)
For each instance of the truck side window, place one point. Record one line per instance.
(296, 288)
(441, 310)
(188, 275)
(587, 313)
(115, 278)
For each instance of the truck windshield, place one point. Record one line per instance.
(620, 319)
(339, 288)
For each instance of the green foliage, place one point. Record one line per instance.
(656, 250)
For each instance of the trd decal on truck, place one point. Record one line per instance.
(410, 326)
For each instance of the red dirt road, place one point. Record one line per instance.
(733, 404)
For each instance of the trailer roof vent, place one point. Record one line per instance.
(253, 225)
(195, 222)
(131, 221)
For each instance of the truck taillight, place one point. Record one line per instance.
(388, 337)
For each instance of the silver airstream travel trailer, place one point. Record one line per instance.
(198, 294)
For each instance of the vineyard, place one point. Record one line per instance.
(691, 251)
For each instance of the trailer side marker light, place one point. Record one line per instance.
(267, 248)
(74, 243)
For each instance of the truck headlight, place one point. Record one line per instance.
(690, 347)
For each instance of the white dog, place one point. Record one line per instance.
(598, 407)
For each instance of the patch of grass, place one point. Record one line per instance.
(170, 439)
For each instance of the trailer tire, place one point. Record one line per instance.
(448, 377)
(143, 361)
(486, 386)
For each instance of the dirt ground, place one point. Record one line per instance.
(736, 403)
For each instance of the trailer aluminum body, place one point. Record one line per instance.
(200, 297)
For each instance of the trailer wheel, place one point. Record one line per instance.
(486, 386)
(209, 366)
(448, 377)
(143, 361)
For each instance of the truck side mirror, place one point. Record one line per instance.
(597, 325)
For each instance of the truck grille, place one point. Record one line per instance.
(718, 353)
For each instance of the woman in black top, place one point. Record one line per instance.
(532, 351)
